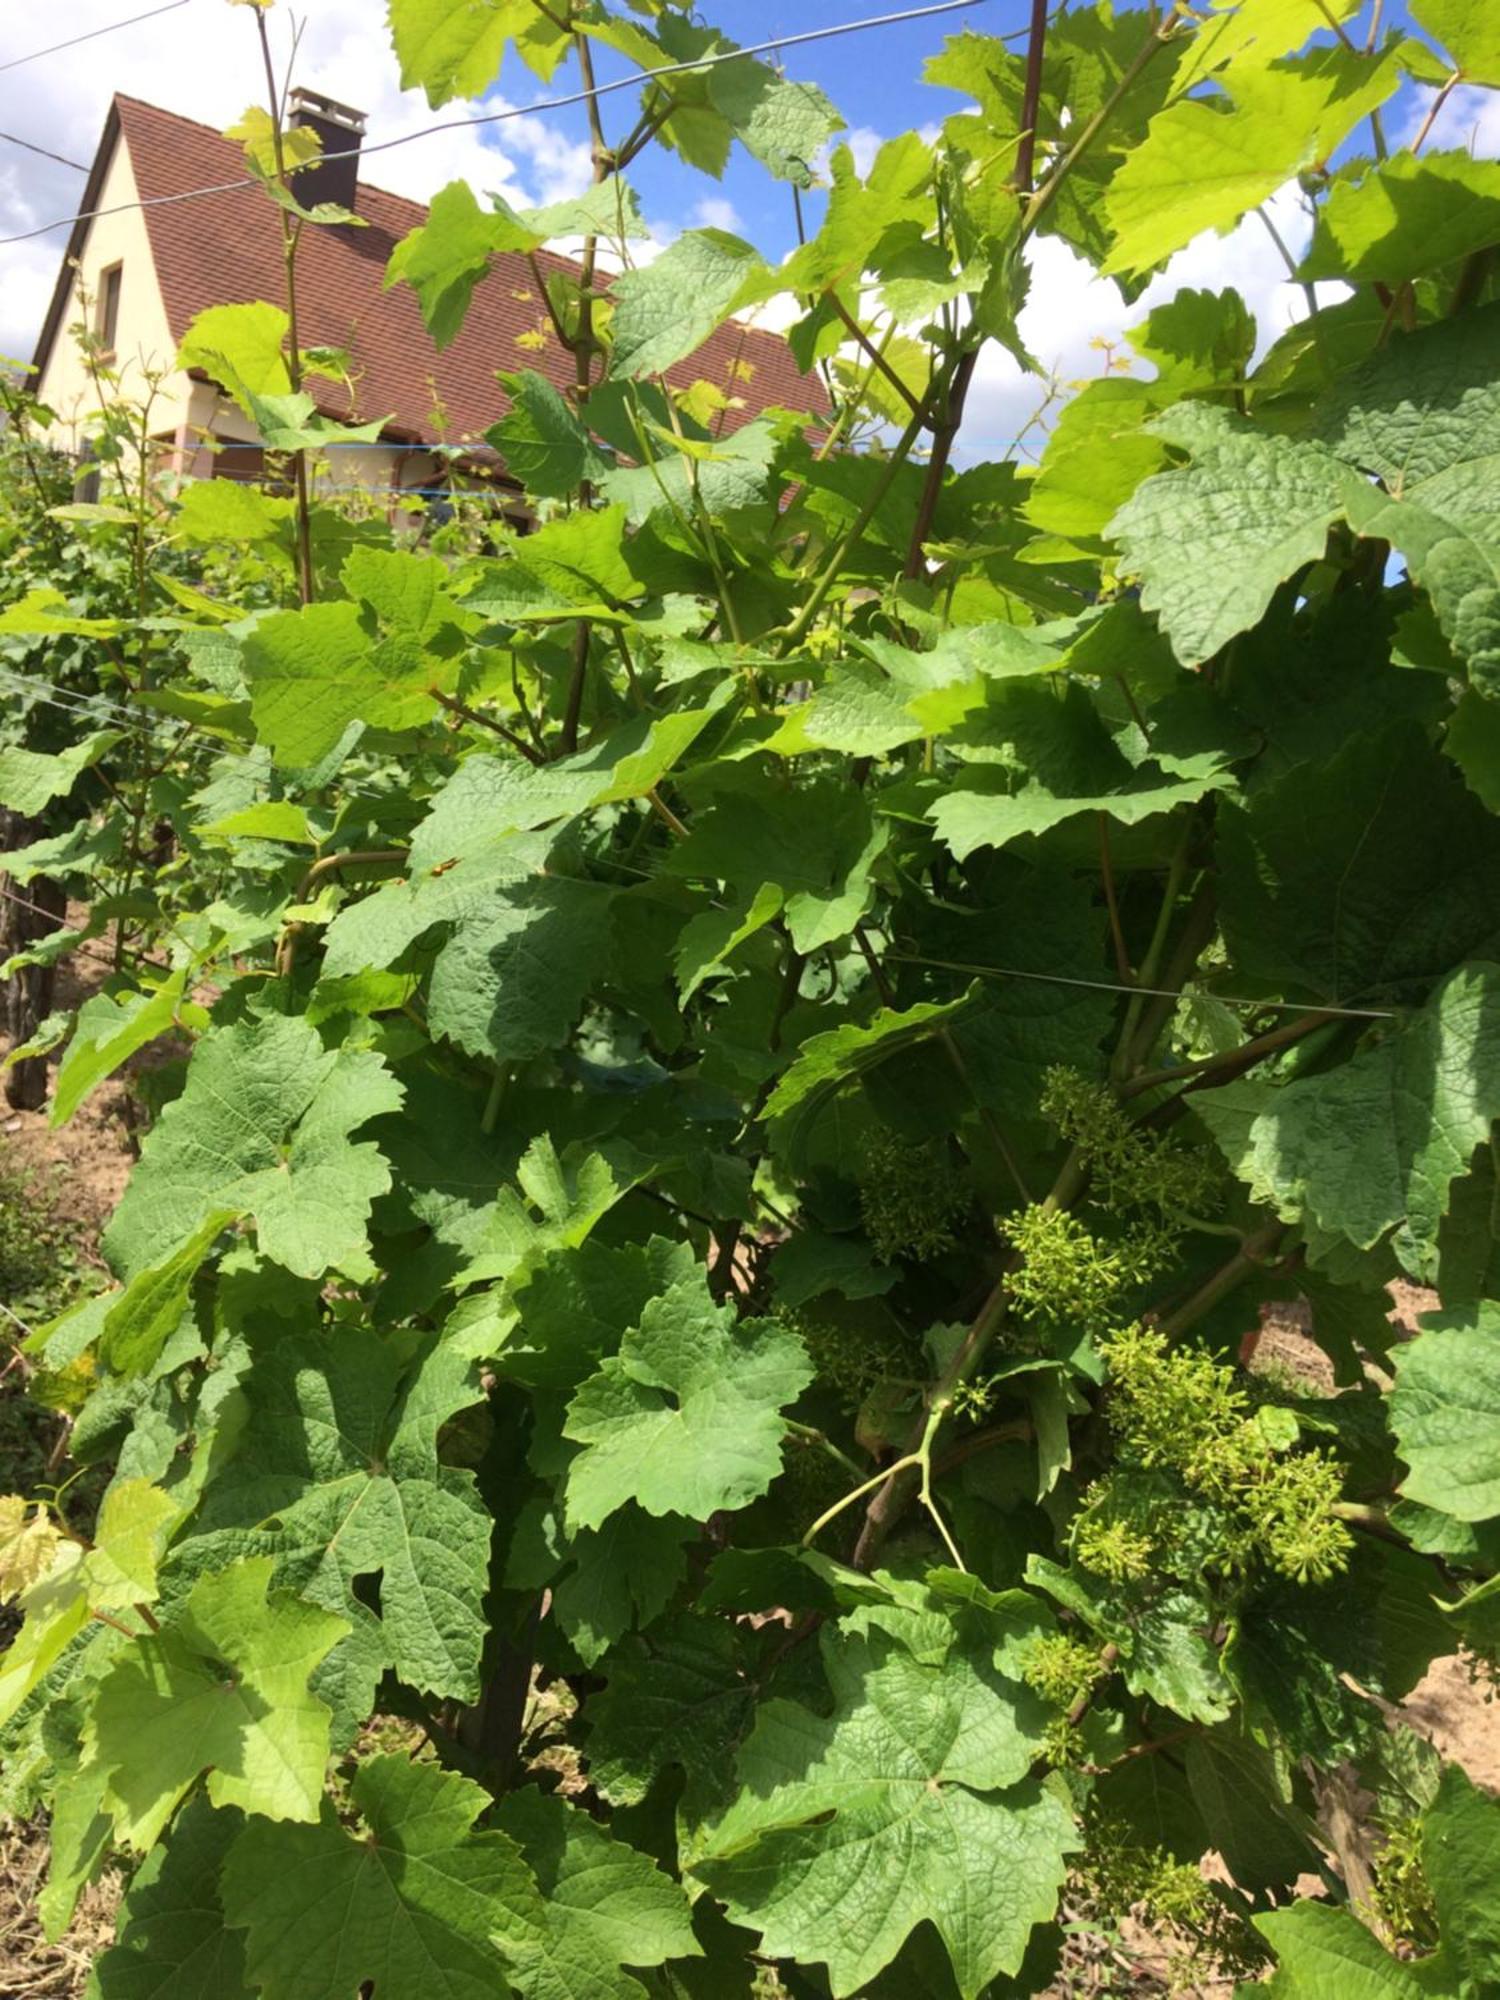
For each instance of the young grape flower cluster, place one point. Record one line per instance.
(1181, 1410)
(911, 1199)
(1071, 1277)
(1128, 1168)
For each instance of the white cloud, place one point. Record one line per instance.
(714, 212)
(864, 142)
(1069, 308)
(1469, 121)
(203, 61)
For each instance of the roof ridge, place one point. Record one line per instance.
(419, 208)
(215, 131)
(227, 243)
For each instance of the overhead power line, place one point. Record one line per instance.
(29, 146)
(109, 28)
(630, 82)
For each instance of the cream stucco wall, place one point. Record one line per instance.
(183, 411)
(143, 340)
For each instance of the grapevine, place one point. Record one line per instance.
(722, 1073)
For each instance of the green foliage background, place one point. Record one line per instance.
(670, 1398)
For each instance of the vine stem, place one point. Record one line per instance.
(369, 857)
(1031, 96)
(1435, 108)
(831, 1514)
(1046, 194)
(918, 1462)
(937, 465)
(583, 365)
(291, 237)
(797, 631)
(1209, 1070)
(810, 1434)
(882, 365)
(897, 1481)
(1106, 868)
(1176, 872)
(1253, 1254)
(467, 714)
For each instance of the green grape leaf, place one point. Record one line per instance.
(221, 1688)
(445, 257)
(143, 1316)
(1254, 31)
(1211, 543)
(710, 939)
(448, 255)
(1054, 758)
(410, 1904)
(172, 1941)
(312, 672)
(1469, 32)
(1198, 340)
(1405, 217)
(685, 1419)
(511, 984)
(780, 121)
(826, 1063)
(666, 309)
(243, 347)
(1246, 1809)
(862, 213)
(107, 1032)
(453, 50)
(262, 1129)
(574, 1303)
(678, 1697)
(1445, 1412)
(602, 1906)
(1162, 1630)
(818, 850)
(1326, 1953)
(1375, 1144)
(1422, 415)
(1460, 573)
(1325, 896)
(910, 1802)
(471, 841)
(336, 1474)
(542, 440)
(29, 780)
(28, 1543)
(620, 1575)
(1097, 454)
(573, 1190)
(1203, 163)
(1460, 1853)
(294, 423)
(118, 1573)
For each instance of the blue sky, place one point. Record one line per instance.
(201, 59)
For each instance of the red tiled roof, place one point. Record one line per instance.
(224, 248)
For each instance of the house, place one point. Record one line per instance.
(152, 259)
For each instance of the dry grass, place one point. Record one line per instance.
(30, 1967)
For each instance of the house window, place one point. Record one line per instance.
(245, 463)
(107, 323)
(252, 465)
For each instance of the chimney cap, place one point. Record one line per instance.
(312, 103)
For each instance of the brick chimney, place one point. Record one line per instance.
(340, 129)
